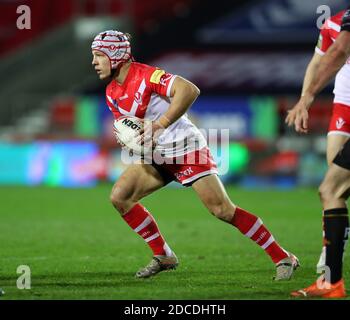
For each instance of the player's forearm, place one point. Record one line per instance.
(311, 72)
(185, 93)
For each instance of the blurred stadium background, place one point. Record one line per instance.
(247, 57)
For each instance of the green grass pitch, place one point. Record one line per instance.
(78, 247)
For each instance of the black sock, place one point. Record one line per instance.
(336, 227)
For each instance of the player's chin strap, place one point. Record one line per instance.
(116, 70)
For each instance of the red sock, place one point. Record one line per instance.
(252, 227)
(142, 222)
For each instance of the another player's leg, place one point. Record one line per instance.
(334, 191)
(335, 141)
(135, 183)
(213, 194)
(338, 134)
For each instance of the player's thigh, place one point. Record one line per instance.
(136, 182)
(334, 143)
(212, 193)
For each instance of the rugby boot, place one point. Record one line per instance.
(286, 267)
(322, 289)
(158, 264)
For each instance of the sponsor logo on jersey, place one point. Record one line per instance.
(138, 98)
(156, 75)
(339, 123)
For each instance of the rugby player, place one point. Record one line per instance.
(339, 127)
(152, 94)
(334, 190)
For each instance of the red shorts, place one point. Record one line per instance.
(188, 168)
(340, 121)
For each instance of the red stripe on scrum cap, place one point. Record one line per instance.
(112, 40)
(117, 47)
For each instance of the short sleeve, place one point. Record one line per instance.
(161, 82)
(324, 40)
(346, 21)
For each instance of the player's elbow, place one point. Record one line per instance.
(193, 91)
(197, 90)
(186, 88)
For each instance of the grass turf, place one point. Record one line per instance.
(78, 248)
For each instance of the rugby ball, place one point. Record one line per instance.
(127, 130)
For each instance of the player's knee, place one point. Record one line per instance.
(118, 199)
(326, 192)
(222, 210)
(115, 199)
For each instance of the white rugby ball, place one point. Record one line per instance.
(127, 130)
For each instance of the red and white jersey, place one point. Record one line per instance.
(328, 34)
(145, 94)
